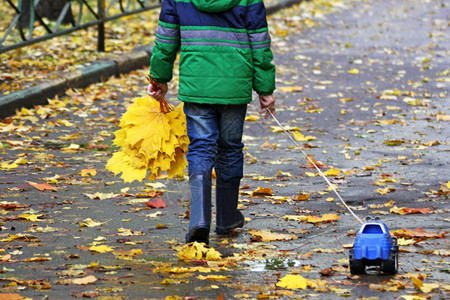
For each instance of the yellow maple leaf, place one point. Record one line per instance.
(90, 223)
(252, 118)
(151, 142)
(287, 128)
(260, 191)
(429, 287)
(267, 236)
(197, 251)
(302, 138)
(405, 242)
(332, 172)
(33, 218)
(101, 249)
(290, 89)
(293, 282)
(312, 219)
(88, 172)
(323, 219)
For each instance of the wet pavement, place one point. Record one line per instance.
(368, 89)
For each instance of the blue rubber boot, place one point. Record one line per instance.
(200, 208)
(228, 217)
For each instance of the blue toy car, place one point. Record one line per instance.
(374, 246)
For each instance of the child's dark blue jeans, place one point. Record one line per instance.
(215, 134)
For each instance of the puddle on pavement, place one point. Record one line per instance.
(271, 264)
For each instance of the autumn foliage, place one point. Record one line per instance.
(150, 141)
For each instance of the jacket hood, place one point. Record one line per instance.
(214, 5)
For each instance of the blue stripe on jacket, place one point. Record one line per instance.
(191, 16)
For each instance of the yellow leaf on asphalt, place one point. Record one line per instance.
(325, 218)
(385, 191)
(295, 218)
(441, 117)
(301, 197)
(197, 251)
(268, 236)
(252, 118)
(354, 71)
(287, 128)
(101, 249)
(32, 218)
(88, 172)
(101, 196)
(260, 191)
(429, 287)
(293, 282)
(302, 138)
(332, 172)
(90, 223)
(405, 242)
(37, 259)
(290, 89)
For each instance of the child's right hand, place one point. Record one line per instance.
(157, 91)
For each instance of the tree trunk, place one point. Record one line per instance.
(50, 9)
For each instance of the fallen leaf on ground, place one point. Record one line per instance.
(158, 203)
(32, 218)
(101, 196)
(418, 233)
(101, 249)
(197, 251)
(295, 282)
(407, 210)
(42, 186)
(9, 296)
(267, 236)
(260, 191)
(88, 172)
(90, 223)
(290, 89)
(37, 259)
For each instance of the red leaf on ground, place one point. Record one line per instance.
(158, 203)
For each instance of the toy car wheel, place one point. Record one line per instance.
(390, 266)
(357, 266)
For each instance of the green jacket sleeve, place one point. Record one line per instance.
(167, 43)
(263, 69)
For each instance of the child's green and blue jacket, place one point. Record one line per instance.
(224, 50)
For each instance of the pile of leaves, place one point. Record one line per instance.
(152, 140)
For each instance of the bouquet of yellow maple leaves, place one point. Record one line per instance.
(152, 139)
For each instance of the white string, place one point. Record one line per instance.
(314, 164)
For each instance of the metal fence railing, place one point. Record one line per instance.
(22, 22)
